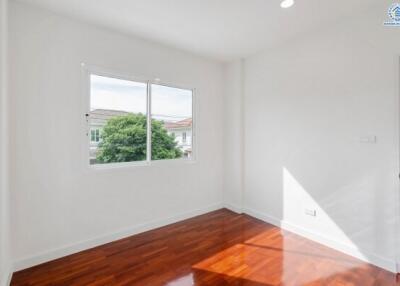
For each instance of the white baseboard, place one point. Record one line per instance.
(93, 242)
(372, 258)
(234, 208)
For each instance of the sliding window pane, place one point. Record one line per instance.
(172, 122)
(117, 118)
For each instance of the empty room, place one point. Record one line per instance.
(199, 142)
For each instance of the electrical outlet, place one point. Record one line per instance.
(310, 212)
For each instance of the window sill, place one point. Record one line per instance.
(156, 163)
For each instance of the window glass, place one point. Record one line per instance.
(118, 120)
(172, 122)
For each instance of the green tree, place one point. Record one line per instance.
(123, 139)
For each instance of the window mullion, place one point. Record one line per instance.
(148, 152)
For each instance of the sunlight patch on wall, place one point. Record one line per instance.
(298, 206)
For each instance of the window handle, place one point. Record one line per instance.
(87, 115)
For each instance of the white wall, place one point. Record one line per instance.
(59, 206)
(306, 106)
(233, 136)
(5, 259)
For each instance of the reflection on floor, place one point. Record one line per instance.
(219, 248)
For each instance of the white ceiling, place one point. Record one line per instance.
(220, 29)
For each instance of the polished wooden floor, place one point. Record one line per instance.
(219, 248)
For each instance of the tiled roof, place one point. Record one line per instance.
(101, 116)
(186, 123)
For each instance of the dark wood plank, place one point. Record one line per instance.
(219, 248)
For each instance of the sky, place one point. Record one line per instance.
(170, 104)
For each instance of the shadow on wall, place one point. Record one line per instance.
(345, 214)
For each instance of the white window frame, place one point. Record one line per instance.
(87, 71)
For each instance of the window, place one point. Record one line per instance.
(119, 121)
(95, 135)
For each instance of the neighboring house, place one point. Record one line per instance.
(182, 130)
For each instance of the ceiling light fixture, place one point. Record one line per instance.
(287, 3)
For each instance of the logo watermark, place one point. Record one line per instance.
(394, 15)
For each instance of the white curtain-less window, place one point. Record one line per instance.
(119, 121)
